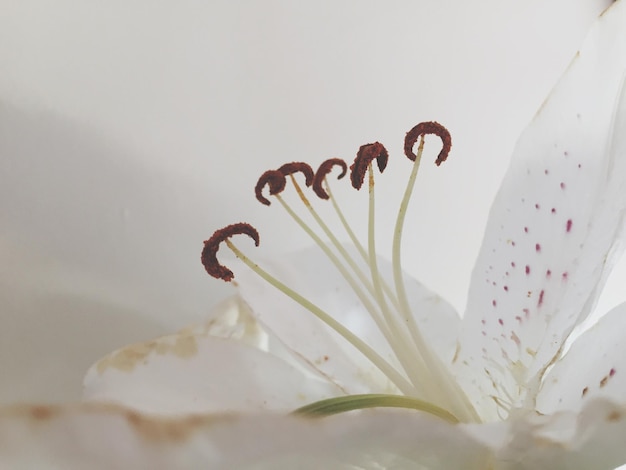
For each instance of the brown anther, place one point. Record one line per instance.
(295, 167)
(276, 181)
(209, 252)
(364, 157)
(325, 168)
(429, 127)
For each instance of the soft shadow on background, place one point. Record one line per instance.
(86, 253)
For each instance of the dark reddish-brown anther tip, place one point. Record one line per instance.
(325, 168)
(430, 127)
(295, 167)
(364, 157)
(209, 252)
(275, 180)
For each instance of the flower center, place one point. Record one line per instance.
(425, 381)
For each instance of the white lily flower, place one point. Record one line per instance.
(499, 377)
(501, 389)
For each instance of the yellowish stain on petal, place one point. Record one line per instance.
(150, 428)
(233, 320)
(181, 345)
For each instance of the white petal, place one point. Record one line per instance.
(109, 437)
(551, 232)
(98, 437)
(595, 366)
(310, 273)
(194, 371)
(593, 439)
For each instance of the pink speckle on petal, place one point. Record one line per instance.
(564, 276)
(562, 185)
(545, 172)
(526, 229)
(518, 318)
(537, 247)
(526, 312)
(527, 269)
(512, 264)
(612, 372)
(501, 321)
(536, 206)
(553, 210)
(540, 301)
(568, 225)
(506, 288)
(494, 303)
(548, 273)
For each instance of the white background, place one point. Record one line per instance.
(131, 130)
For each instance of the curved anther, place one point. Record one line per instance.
(209, 252)
(301, 167)
(272, 178)
(325, 168)
(364, 157)
(429, 127)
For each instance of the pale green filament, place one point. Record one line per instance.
(388, 292)
(338, 246)
(404, 355)
(333, 258)
(337, 405)
(345, 224)
(417, 367)
(445, 383)
(386, 368)
(396, 337)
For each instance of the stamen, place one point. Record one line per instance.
(275, 180)
(357, 243)
(369, 306)
(333, 239)
(298, 167)
(385, 367)
(456, 398)
(411, 363)
(212, 245)
(423, 374)
(366, 154)
(385, 323)
(429, 127)
(321, 173)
